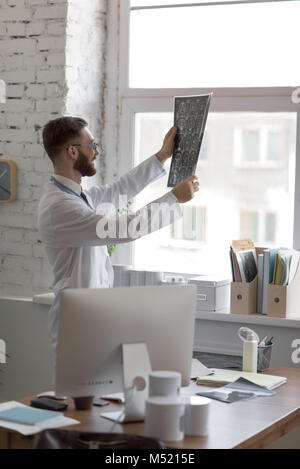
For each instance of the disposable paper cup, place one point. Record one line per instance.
(164, 383)
(196, 415)
(165, 418)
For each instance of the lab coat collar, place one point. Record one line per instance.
(69, 183)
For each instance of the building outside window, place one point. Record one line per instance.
(192, 225)
(247, 167)
(265, 145)
(259, 226)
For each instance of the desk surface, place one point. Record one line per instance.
(246, 424)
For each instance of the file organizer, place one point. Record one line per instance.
(243, 298)
(284, 301)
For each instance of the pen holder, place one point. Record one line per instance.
(264, 357)
(243, 299)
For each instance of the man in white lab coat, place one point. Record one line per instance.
(70, 221)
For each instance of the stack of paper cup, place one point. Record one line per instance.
(164, 383)
(165, 418)
(168, 416)
(164, 410)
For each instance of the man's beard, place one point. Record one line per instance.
(84, 166)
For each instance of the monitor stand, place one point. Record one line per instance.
(136, 370)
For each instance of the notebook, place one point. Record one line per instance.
(27, 415)
(222, 377)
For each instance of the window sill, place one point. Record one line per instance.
(12, 297)
(257, 319)
(44, 299)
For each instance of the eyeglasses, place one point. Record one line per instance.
(95, 146)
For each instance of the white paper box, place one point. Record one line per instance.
(213, 293)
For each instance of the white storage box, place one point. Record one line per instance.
(213, 293)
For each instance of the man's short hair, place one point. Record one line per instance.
(60, 132)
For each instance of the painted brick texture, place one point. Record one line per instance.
(46, 64)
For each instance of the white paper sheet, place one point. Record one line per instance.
(26, 430)
(198, 369)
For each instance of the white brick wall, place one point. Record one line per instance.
(51, 60)
(85, 73)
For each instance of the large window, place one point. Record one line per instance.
(246, 54)
(247, 200)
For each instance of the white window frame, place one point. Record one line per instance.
(132, 101)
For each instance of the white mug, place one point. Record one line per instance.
(164, 383)
(165, 418)
(196, 415)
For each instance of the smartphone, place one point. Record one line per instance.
(48, 404)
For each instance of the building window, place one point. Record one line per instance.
(270, 227)
(275, 148)
(249, 225)
(250, 145)
(259, 226)
(263, 145)
(192, 225)
(223, 191)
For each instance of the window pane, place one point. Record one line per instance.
(270, 227)
(250, 145)
(189, 223)
(275, 146)
(191, 226)
(249, 225)
(177, 230)
(215, 46)
(201, 224)
(225, 192)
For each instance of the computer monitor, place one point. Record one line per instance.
(93, 324)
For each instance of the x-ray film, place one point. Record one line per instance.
(190, 116)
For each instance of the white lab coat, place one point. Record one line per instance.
(77, 256)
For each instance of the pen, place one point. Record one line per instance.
(263, 342)
(270, 341)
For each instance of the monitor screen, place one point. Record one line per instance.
(93, 325)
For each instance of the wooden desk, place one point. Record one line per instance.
(245, 425)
